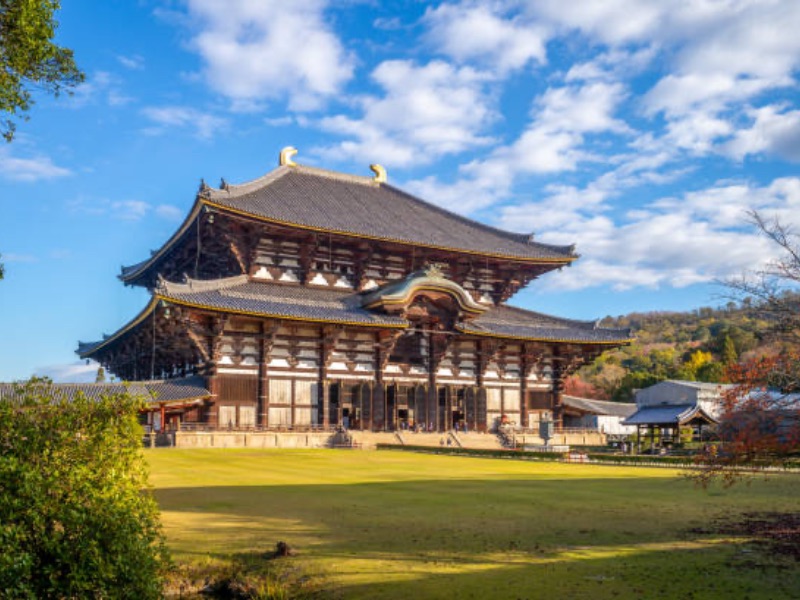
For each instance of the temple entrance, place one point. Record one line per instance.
(350, 405)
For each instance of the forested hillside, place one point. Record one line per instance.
(697, 345)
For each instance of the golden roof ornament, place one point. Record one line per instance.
(380, 173)
(433, 270)
(286, 156)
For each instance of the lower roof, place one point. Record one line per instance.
(242, 296)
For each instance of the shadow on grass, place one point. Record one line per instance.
(488, 539)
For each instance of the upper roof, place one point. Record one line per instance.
(319, 200)
(167, 391)
(324, 200)
(240, 295)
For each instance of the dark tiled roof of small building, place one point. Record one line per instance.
(512, 322)
(668, 414)
(327, 201)
(169, 390)
(240, 295)
(600, 407)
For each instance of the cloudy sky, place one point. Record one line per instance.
(640, 130)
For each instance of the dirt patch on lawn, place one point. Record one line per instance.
(776, 533)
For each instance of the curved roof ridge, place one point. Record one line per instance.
(86, 348)
(130, 272)
(239, 189)
(525, 238)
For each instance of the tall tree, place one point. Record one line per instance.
(29, 60)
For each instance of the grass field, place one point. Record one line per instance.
(400, 525)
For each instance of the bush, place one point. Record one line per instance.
(76, 519)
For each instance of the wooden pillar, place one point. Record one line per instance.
(326, 399)
(163, 409)
(384, 344)
(379, 402)
(557, 390)
(216, 329)
(263, 382)
(385, 408)
(371, 405)
(294, 402)
(527, 362)
(433, 393)
(329, 334)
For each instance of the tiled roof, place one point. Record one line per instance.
(668, 414)
(170, 390)
(327, 201)
(239, 295)
(600, 407)
(512, 322)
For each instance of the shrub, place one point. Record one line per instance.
(76, 519)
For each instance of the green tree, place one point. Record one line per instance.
(729, 354)
(76, 520)
(711, 372)
(29, 59)
(632, 382)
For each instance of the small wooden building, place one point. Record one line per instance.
(309, 298)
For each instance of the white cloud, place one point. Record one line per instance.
(426, 112)
(562, 117)
(257, 50)
(129, 210)
(124, 210)
(774, 130)
(75, 372)
(698, 237)
(480, 32)
(13, 257)
(133, 62)
(101, 86)
(169, 212)
(30, 169)
(203, 125)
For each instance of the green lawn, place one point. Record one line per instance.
(400, 525)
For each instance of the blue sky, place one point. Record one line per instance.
(642, 131)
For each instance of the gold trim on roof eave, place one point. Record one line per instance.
(236, 211)
(148, 309)
(251, 313)
(557, 340)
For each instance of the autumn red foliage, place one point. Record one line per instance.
(575, 386)
(760, 418)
